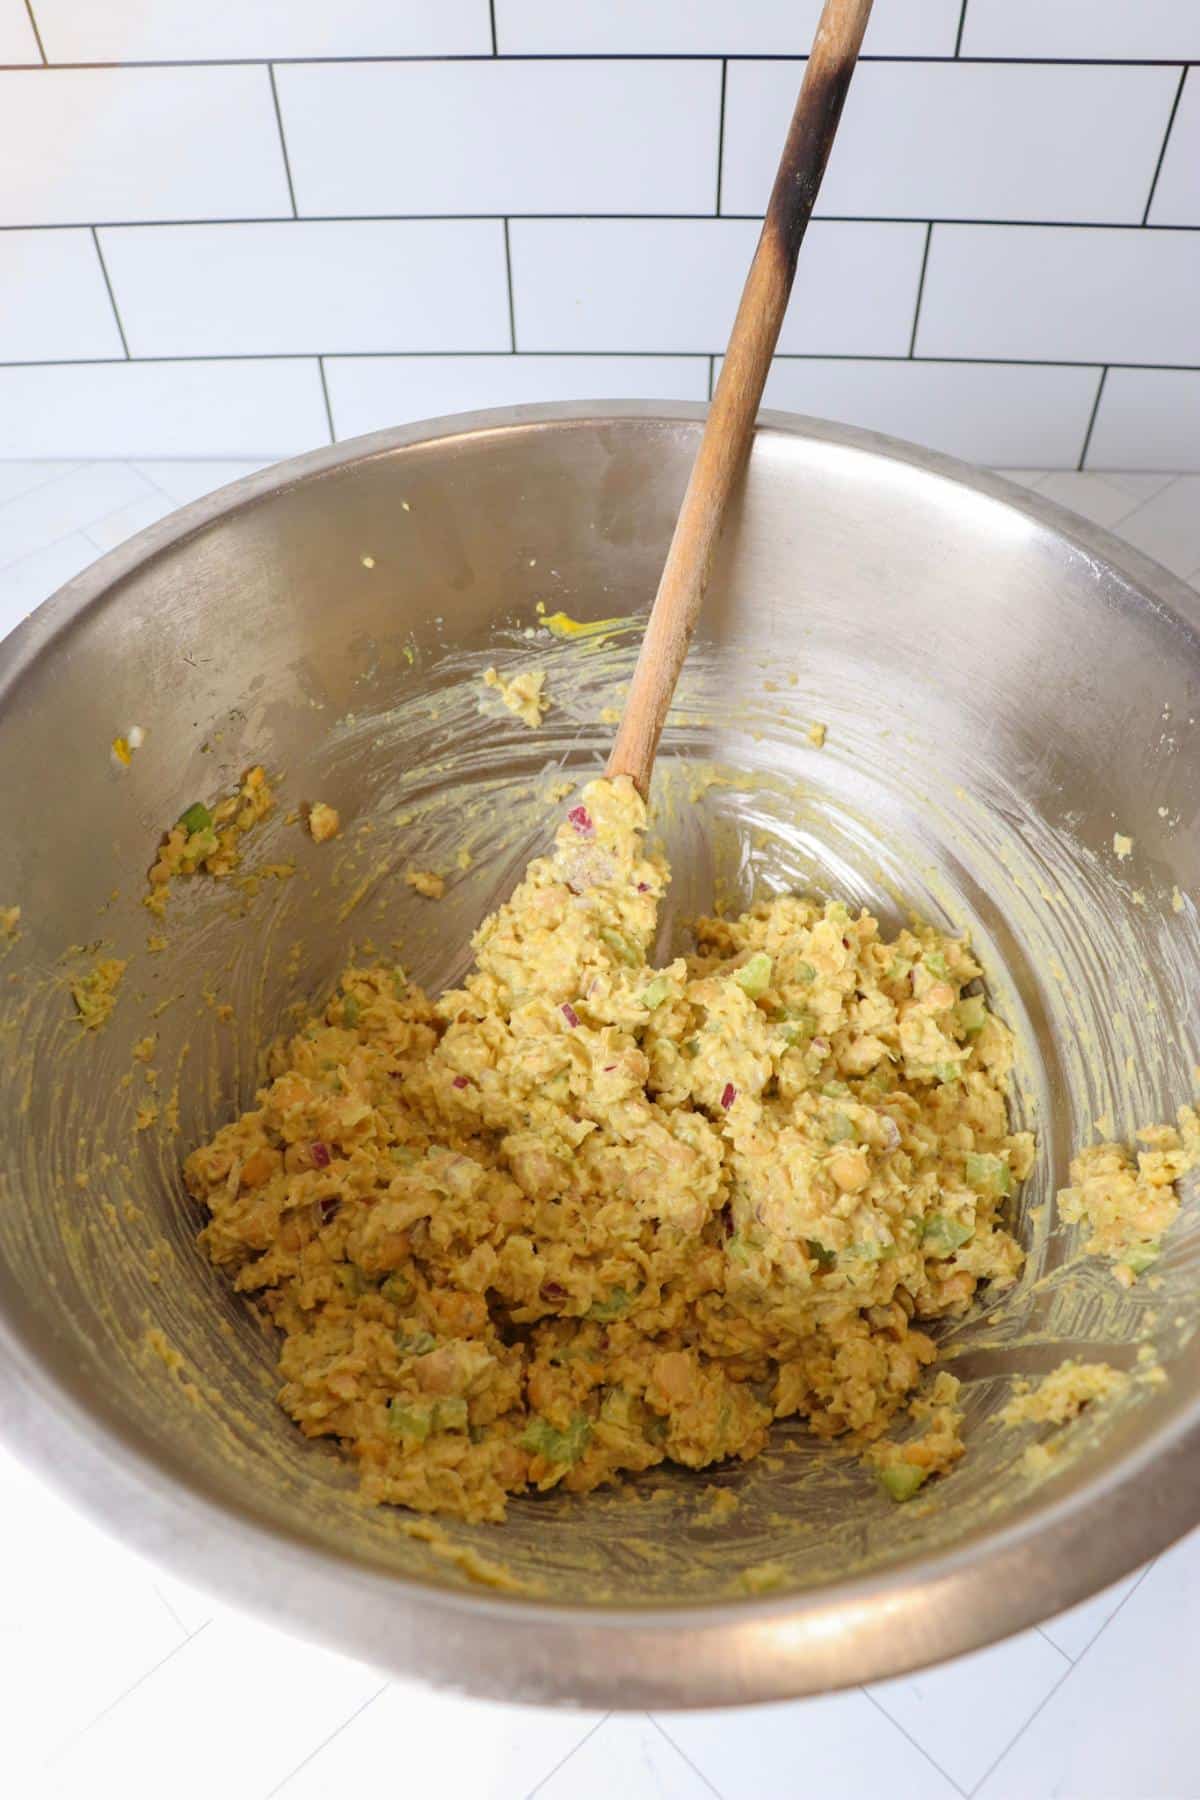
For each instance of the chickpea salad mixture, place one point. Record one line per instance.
(583, 1216)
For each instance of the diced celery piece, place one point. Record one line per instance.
(805, 972)
(196, 818)
(901, 1480)
(415, 1343)
(818, 1252)
(616, 1303)
(987, 1174)
(450, 1414)
(410, 1419)
(350, 1010)
(836, 1090)
(621, 947)
(935, 962)
(942, 1236)
(948, 1072)
(398, 1289)
(754, 976)
(900, 969)
(840, 1129)
(1141, 1257)
(563, 1447)
(972, 1014)
(658, 991)
(690, 1048)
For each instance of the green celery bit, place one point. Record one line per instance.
(565, 1447)
(398, 1289)
(948, 1072)
(1141, 1257)
(621, 947)
(987, 1174)
(942, 1236)
(416, 1343)
(754, 976)
(618, 1302)
(935, 962)
(805, 972)
(399, 982)
(902, 1480)
(840, 1129)
(410, 1420)
(658, 991)
(196, 818)
(690, 1048)
(972, 1013)
(826, 1258)
(450, 1415)
(350, 1011)
(900, 969)
(836, 1090)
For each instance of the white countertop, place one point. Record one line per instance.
(118, 1680)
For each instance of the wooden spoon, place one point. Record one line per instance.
(729, 427)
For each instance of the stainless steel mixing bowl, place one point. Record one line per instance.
(1005, 688)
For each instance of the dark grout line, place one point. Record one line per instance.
(36, 33)
(287, 161)
(333, 438)
(281, 1786)
(1065, 1676)
(962, 19)
(912, 342)
(612, 56)
(91, 1724)
(508, 276)
(112, 298)
(850, 356)
(1162, 154)
(1091, 424)
(905, 1733)
(721, 136)
(624, 218)
(574, 1751)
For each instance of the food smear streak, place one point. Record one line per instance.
(208, 838)
(584, 1216)
(523, 694)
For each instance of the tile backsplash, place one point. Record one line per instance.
(243, 227)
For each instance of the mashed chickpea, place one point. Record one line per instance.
(584, 1215)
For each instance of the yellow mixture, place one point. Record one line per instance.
(585, 1215)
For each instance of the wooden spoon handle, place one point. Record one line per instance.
(729, 427)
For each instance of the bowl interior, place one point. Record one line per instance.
(1000, 702)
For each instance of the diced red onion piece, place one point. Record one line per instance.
(728, 1096)
(581, 819)
(643, 887)
(821, 1046)
(554, 1292)
(460, 1081)
(320, 1155)
(609, 1067)
(569, 1014)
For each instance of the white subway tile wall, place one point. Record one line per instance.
(368, 393)
(240, 230)
(17, 41)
